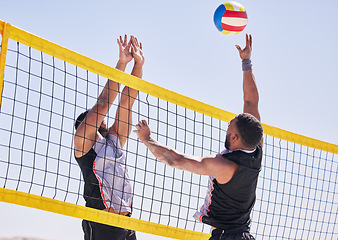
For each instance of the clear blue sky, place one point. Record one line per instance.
(294, 59)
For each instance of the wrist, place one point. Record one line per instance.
(145, 140)
(121, 66)
(122, 62)
(138, 63)
(246, 65)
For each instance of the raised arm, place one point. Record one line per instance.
(123, 120)
(215, 165)
(86, 134)
(250, 90)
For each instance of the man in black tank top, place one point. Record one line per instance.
(233, 173)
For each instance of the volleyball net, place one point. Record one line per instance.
(45, 87)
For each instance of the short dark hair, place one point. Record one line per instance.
(80, 118)
(250, 129)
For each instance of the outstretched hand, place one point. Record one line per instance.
(245, 53)
(136, 51)
(142, 130)
(125, 55)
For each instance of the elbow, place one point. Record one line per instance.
(102, 103)
(175, 163)
(252, 98)
(179, 163)
(253, 102)
(169, 162)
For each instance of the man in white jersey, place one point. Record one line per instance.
(98, 149)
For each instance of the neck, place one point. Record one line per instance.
(241, 147)
(249, 149)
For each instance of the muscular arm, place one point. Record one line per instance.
(250, 90)
(123, 119)
(251, 96)
(217, 166)
(87, 132)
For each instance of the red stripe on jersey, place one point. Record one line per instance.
(101, 188)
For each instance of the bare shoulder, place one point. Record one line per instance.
(224, 169)
(83, 142)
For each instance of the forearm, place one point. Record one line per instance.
(175, 159)
(129, 94)
(123, 119)
(168, 155)
(111, 88)
(137, 70)
(108, 94)
(163, 153)
(250, 90)
(120, 65)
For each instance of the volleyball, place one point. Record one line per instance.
(230, 18)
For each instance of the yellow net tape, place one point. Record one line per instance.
(152, 89)
(52, 205)
(5, 29)
(90, 214)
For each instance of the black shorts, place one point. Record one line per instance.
(98, 231)
(219, 234)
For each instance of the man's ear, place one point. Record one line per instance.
(235, 137)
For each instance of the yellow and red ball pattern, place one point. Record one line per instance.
(230, 18)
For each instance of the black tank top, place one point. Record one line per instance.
(231, 203)
(91, 194)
